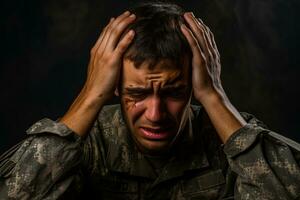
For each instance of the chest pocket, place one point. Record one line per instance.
(114, 187)
(206, 186)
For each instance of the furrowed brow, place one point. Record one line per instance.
(132, 90)
(174, 87)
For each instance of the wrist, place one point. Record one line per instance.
(210, 97)
(223, 115)
(91, 99)
(90, 102)
(82, 113)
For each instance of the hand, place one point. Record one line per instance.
(206, 67)
(103, 74)
(206, 71)
(106, 58)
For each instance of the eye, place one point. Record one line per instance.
(137, 96)
(175, 94)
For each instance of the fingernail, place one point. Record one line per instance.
(192, 14)
(126, 12)
(132, 16)
(131, 32)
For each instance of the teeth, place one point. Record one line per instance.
(154, 130)
(151, 130)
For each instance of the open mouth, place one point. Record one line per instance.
(156, 133)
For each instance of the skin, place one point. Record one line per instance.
(154, 101)
(154, 109)
(102, 76)
(206, 71)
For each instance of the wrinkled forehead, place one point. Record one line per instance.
(164, 71)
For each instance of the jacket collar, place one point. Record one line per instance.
(124, 157)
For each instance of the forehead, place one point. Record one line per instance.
(164, 72)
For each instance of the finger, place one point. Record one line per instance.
(111, 28)
(206, 31)
(98, 42)
(103, 33)
(208, 49)
(213, 48)
(214, 44)
(124, 43)
(200, 31)
(116, 33)
(194, 44)
(197, 31)
(100, 39)
(210, 38)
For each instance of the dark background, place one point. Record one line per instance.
(45, 50)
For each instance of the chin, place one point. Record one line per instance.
(154, 146)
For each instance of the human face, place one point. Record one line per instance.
(153, 101)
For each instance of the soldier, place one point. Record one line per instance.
(155, 144)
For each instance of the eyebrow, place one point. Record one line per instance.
(176, 87)
(131, 90)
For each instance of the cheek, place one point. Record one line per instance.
(134, 109)
(176, 108)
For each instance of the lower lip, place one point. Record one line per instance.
(155, 136)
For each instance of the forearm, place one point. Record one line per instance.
(224, 117)
(82, 113)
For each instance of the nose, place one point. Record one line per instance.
(155, 111)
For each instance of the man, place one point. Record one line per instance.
(154, 145)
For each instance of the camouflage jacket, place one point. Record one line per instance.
(54, 163)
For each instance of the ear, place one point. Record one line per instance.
(116, 92)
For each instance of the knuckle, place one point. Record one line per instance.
(214, 56)
(104, 60)
(98, 52)
(105, 28)
(208, 30)
(105, 57)
(121, 47)
(110, 28)
(194, 44)
(108, 56)
(92, 51)
(117, 30)
(113, 31)
(203, 58)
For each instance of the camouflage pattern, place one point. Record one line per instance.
(55, 163)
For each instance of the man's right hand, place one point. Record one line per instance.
(103, 74)
(106, 58)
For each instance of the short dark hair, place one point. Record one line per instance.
(158, 34)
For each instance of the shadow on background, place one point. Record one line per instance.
(45, 50)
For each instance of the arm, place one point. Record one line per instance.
(48, 164)
(266, 164)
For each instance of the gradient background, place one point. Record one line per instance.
(45, 51)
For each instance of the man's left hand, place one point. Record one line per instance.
(206, 58)
(206, 71)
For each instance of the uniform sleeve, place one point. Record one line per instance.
(46, 165)
(267, 164)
